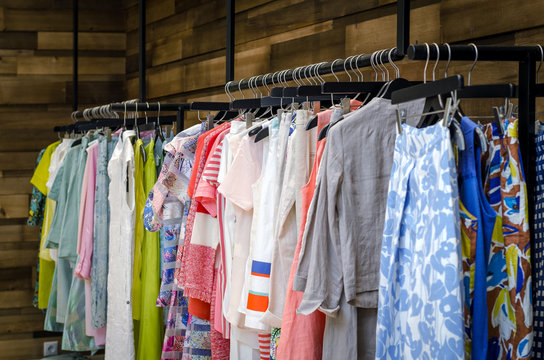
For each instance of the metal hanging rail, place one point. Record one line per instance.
(229, 76)
(324, 68)
(141, 53)
(75, 47)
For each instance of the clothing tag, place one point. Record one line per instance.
(306, 105)
(249, 117)
(108, 134)
(316, 107)
(538, 127)
(210, 121)
(345, 102)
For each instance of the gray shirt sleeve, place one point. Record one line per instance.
(321, 262)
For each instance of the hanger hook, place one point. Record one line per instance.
(354, 59)
(272, 79)
(306, 68)
(357, 66)
(159, 113)
(227, 91)
(437, 59)
(449, 60)
(382, 54)
(299, 76)
(474, 63)
(285, 77)
(145, 112)
(257, 86)
(136, 115)
(426, 63)
(295, 76)
(541, 60)
(264, 79)
(125, 115)
(390, 58)
(313, 73)
(374, 65)
(345, 69)
(321, 79)
(240, 90)
(332, 69)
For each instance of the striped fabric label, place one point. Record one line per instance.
(259, 268)
(257, 301)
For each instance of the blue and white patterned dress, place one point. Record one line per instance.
(420, 311)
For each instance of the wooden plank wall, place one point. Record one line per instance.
(35, 95)
(186, 40)
(186, 62)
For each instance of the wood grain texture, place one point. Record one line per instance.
(16, 185)
(23, 349)
(21, 323)
(470, 19)
(19, 233)
(372, 35)
(49, 65)
(14, 206)
(86, 40)
(17, 160)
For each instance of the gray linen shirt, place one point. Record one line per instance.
(342, 239)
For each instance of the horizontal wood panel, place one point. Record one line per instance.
(24, 349)
(17, 160)
(18, 258)
(38, 120)
(86, 41)
(61, 20)
(21, 323)
(18, 40)
(16, 185)
(15, 298)
(470, 19)
(19, 233)
(17, 278)
(29, 91)
(43, 65)
(35, 139)
(14, 206)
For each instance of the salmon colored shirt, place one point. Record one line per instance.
(301, 335)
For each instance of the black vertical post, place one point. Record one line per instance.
(403, 26)
(141, 55)
(230, 41)
(75, 13)
(180, 119)
(526, 129)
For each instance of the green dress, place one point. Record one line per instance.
(151, 329)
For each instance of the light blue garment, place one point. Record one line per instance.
(74, 336)
(63, 272)
(50, 323)
(420, 311)
(70, 220)
(99, 267)
(58, 192)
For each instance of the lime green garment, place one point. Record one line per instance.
(138, 230)
(41, 173)
(47, 265)
(151, 329)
